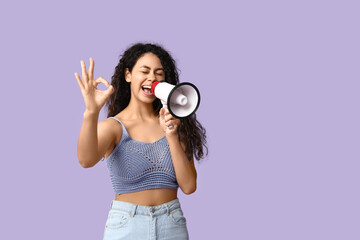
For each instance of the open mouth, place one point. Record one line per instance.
(147, 90)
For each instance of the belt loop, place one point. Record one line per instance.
(133, 211)
(168, 209)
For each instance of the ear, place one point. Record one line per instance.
(127, 75)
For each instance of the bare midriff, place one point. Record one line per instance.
(151, 197)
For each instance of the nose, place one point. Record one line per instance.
(152, 77)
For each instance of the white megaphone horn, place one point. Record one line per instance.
(182, 99)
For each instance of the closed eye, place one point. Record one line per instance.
(160, 74)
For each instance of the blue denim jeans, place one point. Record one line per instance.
(130, 221)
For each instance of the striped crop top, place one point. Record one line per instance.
(134, 166)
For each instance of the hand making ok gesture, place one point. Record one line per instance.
(93, 97)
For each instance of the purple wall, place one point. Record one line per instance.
(280, 102)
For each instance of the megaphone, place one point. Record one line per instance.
(182, 99)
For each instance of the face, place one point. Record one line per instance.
(146, 71)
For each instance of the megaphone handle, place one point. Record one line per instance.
(163, 103)
(165, 106)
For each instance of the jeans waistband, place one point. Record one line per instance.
(134, 209)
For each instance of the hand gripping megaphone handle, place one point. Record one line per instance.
(165, 106)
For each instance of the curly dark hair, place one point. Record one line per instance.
(190, 131)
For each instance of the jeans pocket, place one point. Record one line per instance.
(177, 217)
(117, 219)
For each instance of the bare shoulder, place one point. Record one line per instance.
(109, 134)
(110, 127)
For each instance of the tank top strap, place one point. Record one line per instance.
(123, 126)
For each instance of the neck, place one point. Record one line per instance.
(139, 110)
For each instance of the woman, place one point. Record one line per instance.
(147, 161)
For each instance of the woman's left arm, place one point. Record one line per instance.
(184, 168)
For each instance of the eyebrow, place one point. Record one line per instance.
(150, 68)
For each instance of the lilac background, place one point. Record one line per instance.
(280, 102)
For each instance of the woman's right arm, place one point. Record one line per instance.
(95, 138)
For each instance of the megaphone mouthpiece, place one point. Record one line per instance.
(153, 86)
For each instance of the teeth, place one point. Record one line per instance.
(149, 87)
